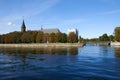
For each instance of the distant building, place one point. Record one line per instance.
(73, 30)
(53, 30)
(23, 27)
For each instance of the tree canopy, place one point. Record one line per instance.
(33, 37)
(117, 34)
(104, 37)
(72, 37)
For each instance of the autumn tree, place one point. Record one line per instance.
(2, 38)
(58, 37)
(117, 34)
(8, 38)
(33, 36)
(45, 37)
(72, 37)
(13, 37)
(39, 37)
(26, 37)
(16, 37)
(51, 38)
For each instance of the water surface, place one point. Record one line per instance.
(86, 63)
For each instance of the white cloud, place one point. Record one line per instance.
(10, 24)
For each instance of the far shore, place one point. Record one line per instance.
(42, 45)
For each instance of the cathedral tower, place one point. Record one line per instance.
(23, 27)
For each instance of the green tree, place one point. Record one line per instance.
(72, 37)
(104, 37)
(111, 37)
(117, 34)
(81, 39)
(64, 38)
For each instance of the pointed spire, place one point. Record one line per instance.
(41, 27)
(23, 27)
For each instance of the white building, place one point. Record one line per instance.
(73, 30)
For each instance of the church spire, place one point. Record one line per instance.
(23, 27)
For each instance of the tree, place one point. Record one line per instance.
(46, 38)
(13, 37)
(16, 37)
(117, 34)
(39, 37)
(72, 37)
(51, 38)
(81, 39)
(2, 38)
(58, 37)
(33, 36)
(8, 38)
(104, 37)
(111, 37)
(26, 37)
(64, 38)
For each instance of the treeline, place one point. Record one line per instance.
(38, 37)
(104, 37)
(114, 37)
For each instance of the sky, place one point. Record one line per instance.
(92, 18)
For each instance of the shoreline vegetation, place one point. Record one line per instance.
(55, 38)
(43, 45)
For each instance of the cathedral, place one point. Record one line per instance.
(53, 30)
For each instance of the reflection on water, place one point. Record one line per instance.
(23, 51)
(106, 51)
(117, 52)
(86, 63)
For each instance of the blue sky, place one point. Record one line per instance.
(92, 18)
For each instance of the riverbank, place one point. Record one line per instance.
(115, 44)
(40, 45)
(100, 43)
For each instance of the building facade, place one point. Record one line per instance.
(53, 30)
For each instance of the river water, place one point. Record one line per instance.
(85, 63)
